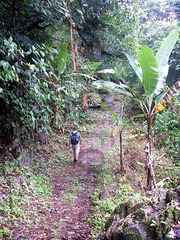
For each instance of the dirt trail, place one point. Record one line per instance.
(67, 213)
(75, 212)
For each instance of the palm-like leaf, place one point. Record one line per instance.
(162, 57)
(149, 67)
(120, 88)
(149, 71)
(135, 65)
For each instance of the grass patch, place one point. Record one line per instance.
(24, 195)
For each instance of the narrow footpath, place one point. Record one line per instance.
(67, 213)
(75, 212)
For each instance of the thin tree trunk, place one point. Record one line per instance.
(151, 181)
(75, 53)
(74, 49)
(55, 113)
(121, 155)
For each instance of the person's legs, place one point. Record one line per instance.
(76, 149)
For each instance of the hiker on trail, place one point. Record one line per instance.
(74, 140)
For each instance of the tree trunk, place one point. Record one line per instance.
(121, 155)
(75, 53)
(73, 48)
(151, 181)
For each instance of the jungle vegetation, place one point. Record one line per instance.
(44, 44)
(36, 93)
(53, 51)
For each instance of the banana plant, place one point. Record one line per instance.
(121, 124)
(152, 71)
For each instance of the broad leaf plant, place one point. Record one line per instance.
(152, 71)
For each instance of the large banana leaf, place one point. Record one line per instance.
(162, 57)
(62, 58)
(134, 65)
(149, 67)
(120, 88)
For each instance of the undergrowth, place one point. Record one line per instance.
(166, 129)
(113, 189)
(25, 192)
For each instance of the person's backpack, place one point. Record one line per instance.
(74, 138)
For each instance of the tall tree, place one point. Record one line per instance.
(73, 46)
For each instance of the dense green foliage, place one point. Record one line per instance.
(105, 26)
(24, 95)
(39, 90)
(166, 127)
(36, 93)
(29, 22)
(41, 93)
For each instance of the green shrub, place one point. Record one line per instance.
(166, 129)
